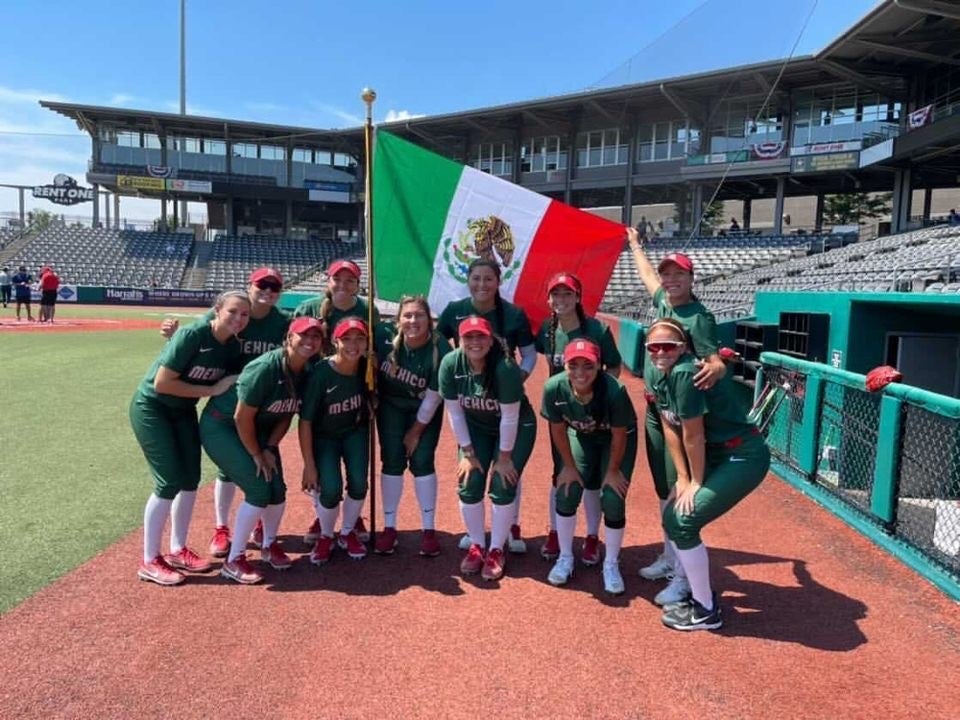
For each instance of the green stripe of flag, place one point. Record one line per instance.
(412, 192)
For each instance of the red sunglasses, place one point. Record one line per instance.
(269, 285)
(663, 346)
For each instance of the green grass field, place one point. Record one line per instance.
(72, 477)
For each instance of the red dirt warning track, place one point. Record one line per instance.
(819, 624)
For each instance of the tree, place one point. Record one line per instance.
(849, 208)
(41, 219)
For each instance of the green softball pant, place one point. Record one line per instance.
(731, 475)
(222, 444)
(352, 450)
(170, 440)
(591, 455)
(392, 424)
(486, 447)
(662, 470)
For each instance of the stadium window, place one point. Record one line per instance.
(108, 134)
(244, 150)
(494, 158)
(681, 135)
(214, 147)
(271, 152)
(125, 138)
(151, 141)
(661, 141)
(302, 155)
(343, 160)
(645, 143)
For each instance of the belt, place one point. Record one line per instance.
(734, 442)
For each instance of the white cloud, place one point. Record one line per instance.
(399, 115)
(267, 107)
(342, 115)
(124, 100)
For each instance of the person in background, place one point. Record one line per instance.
(22, 281)
(6, 286)
(49, 285)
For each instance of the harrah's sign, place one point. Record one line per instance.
(64, 191)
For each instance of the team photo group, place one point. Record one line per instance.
(260, 366)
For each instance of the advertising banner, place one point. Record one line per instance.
(63, 191)
(768, 150)
(66, 293)
(826, 148)
(825, 163)
(733, 156)
(190, 186)
(158, 296)
(136, 182)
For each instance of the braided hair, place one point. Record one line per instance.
(555, 323)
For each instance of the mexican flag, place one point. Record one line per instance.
(433, 216)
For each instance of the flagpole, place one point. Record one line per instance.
(368, 96)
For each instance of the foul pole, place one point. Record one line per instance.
(368, 96)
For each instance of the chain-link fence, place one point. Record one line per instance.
(928, 497)
(893, 456)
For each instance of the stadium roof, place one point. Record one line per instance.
(161, 123)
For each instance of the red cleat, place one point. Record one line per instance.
(550, 550)
(187, 559)
(472, 562)
(386, 542)
(220, 542)
(493, 567)
(351, 543)
(159, 572)
(429, 545)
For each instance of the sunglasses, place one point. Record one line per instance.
(270, 285)
(663, 346)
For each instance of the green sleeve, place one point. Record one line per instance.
(509, 382)
(308, 308)
(609, 353)
(178, 353)
(703, 331)
(446, 380)
(658, 301)
(688, 400)
(547, 407)
(254, 384)
(539, 342)
(523, 332)
(313, 395)
(622, 413)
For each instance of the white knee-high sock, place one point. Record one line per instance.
(328, 519)
(473, 520)
(180, 515)
(155, 516)
(272, 514)
(613, 539)
(566, 527)
(592, 511)
(247, 516)
(351, 511)
(696, 563)
(503, 517)
(223, 493)
(426, 489)
(552, 508)
(392, 489)
(678, 568)
(669, 551)
(515, 519)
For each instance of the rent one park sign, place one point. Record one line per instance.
(63, 191)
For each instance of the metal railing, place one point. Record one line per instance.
(888, 462)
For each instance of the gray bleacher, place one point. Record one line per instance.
(233, 258)
(127, 258)
(921, 260)
(317, 281)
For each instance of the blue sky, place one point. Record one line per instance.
(303, 62)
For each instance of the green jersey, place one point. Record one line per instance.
(699, 322)
(561, 405)
(481, 405)
(311, 308)
(267, 385)
(678, 399)
(261, 334)
(404, 384)
(516, 327)
(334, 403)
(199, 359)
(592, 329)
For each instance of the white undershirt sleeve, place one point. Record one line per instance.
(509, 424)
(458, 422)
(428, 406)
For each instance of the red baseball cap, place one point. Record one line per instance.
(581, 349)
(348, 324)
(475, 324)
(304, 324)
(338, 265)
(265, 273)
(566, 280)
(679, 259)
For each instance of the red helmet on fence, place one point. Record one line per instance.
(880, 377)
